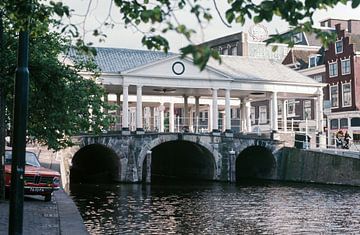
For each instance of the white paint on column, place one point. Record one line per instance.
(125, 110)
(227, 109)
(139, 114)
(197, 113)
(274, 110)
(171, 117)
(248, 115)
(215, 111)
(284, 116)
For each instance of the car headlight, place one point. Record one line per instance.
(56, 180)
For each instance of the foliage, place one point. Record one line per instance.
(160, 15)
(61, 102)
(298, 13)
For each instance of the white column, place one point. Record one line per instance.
(186, 112)
(274, 110)
(197, 113)
(227, 110)
(242, 116)
(139, 111)
(118, 111)
(162, 118)
(215, 111)
(320, 112)
(210, 117)
(284, 115)
(248, 115)
(125, 108)
(171, 117)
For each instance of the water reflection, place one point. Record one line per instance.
(218, 208)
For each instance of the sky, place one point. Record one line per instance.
(122, 37)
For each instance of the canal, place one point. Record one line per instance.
(218, 208)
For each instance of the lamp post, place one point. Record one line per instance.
(19, 128)
(2, 115)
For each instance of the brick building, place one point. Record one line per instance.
(342, 65)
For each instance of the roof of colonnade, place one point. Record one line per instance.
(151, 68)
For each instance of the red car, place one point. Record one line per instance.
(38, 180)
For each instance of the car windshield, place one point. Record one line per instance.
(30, 158)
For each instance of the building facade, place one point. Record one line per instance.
(342, 65)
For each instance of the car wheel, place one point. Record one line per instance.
(48, 197)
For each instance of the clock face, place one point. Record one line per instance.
(178, 68)
(258, 32)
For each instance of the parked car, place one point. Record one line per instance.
(38, 180)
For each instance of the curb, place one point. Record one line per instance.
(70, 220)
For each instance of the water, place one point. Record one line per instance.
(218, 208)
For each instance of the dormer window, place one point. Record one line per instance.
(339, 48)
(297, 37)
(314, 60)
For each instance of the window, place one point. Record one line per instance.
(318, 78)
(252, 115)
(346, 92)
(307, 109)
(262, 114)
(333, 69)
(343, 123)
(314, 60)
(291, 108)
(234, 50)
(355, 121)
(339, 47)
(225, 51)
(334, 124)
(334, 96)
(297, 37)
(345, 67)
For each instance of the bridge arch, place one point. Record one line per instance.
(255, 162)
(94, 163)
(208, 153)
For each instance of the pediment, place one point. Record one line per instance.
(175, 67)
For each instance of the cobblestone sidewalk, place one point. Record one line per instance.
(59, 216)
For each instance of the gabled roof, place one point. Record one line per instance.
(114, 60)
(300, 57)
(252, 69)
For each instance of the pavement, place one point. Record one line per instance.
(59, 216)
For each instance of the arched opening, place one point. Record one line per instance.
(94, 164)
(181, 160)
(255, 162)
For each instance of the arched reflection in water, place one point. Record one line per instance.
(254, 162)
(94, 164)
(181, 160)
(218, 208)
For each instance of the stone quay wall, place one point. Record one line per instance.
(317, 167)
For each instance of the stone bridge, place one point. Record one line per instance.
(143, 157)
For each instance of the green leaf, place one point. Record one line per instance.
(355, 3)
